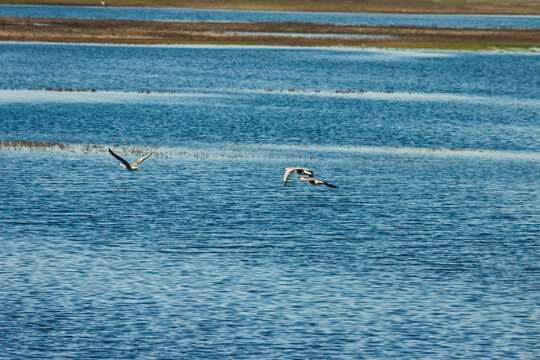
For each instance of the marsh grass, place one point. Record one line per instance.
(147, 91)
(93, 90)
(261, 152)
(156, 32)
(165, 152)
(523, 7)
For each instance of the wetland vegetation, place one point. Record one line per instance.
(157, 32)
(516, 7)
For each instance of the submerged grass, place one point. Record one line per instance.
(148, 91)
(138, 150)
(261, 152)
(93, 90)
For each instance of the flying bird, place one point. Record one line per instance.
(298, 170)
(314, 181)
(128, 166)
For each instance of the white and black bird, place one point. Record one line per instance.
(314, 181)
(296, 169)
(131, 167)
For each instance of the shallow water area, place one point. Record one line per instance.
(428, 248)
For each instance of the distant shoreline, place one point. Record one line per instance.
(263, 33)
(468, 7)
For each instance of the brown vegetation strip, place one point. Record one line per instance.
(144, 91)
(164, 152)
(161, 92)
(48, 146)
(156, 32)
(517, 7)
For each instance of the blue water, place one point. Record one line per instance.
(459, 21)
(422, 251)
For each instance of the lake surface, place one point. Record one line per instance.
(88, 12)
(428, 248)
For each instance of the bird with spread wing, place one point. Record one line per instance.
(296, 169)
(314, 181)
(131, 167)
(303, 171)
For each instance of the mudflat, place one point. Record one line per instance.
(517, 7)
(264, 33)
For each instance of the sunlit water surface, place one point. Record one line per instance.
(428, 248)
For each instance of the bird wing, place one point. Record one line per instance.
(329, 185)
(320, 182)
(136, 163)
(121, 160)
(288, 172)
(308, 172)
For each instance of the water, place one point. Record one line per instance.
(221, 96)
(428, 248)
(86, 12)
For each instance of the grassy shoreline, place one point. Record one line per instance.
(502, 7)
(263, 33)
